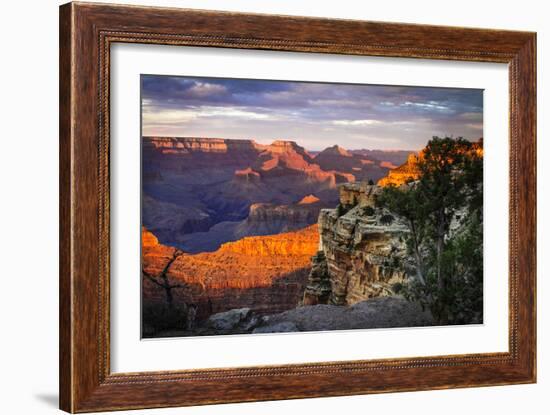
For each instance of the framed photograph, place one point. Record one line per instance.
(259, 207)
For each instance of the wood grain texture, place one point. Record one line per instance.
(86, 33)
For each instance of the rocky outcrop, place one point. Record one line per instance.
(282, 327)
(187, 145)
(290, 244)
(362, 251)
(247, 175)
(262, 219)
(308, 200)
(405, 173)
(393, 157)
(360, 166)
(319, 287)
(268, 218)
(383, 312)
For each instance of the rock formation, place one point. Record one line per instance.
(362, 251)
(382, 312)
(319, 286)
(268, 218)
(405, 173)
(393, 157)
(360, 166)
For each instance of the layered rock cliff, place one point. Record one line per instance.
(360, 166)
(405, 173)
(268, 218)
(362, 252)
(264, 273)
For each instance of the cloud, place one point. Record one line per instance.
(431, 105)
(167, 116)
(356, 122)
(316, 114)
(204, 89)
(232, 112)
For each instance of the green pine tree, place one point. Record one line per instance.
(449, 266)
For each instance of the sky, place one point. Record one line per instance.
(315, 115)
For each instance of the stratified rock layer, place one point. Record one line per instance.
(264, 273)
(405, 173)
(362, 250)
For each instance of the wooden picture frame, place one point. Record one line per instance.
(86, 33)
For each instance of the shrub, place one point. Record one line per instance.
(368, 211)
(386, 219)
(397, 287)
(341, 210)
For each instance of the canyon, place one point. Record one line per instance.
(233, 224)
(199, 193)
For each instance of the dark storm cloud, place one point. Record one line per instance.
(314, 114)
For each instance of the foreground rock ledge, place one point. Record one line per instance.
(383, 312)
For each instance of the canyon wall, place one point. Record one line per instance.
(405, 173)
(264, 273)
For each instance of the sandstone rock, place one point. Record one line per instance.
(269, 218)
(287, 244)
(318, 289)
(309, 199)
(148, 240)
(247, 175)
(407, 172)
(364, 256)
(267, 274)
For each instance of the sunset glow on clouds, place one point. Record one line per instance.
(316, 115)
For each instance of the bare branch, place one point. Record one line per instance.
(177, 253)
(153, 279)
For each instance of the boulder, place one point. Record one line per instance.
(228, 320)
